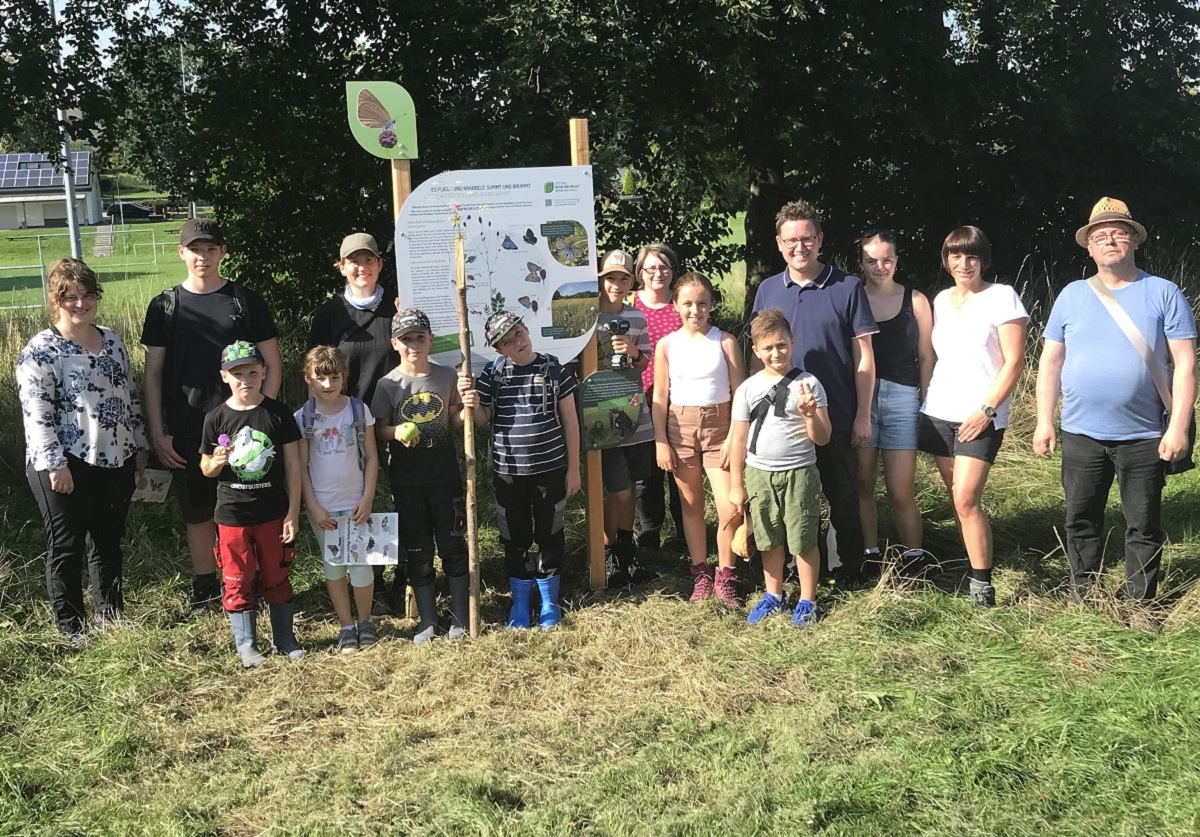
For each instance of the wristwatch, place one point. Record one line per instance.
(990, 412)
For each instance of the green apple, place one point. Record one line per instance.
(407, 432)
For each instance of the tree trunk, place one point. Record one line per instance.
(766, 196)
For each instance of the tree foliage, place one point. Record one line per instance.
(1012, 114)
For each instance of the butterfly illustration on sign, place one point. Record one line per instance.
(382, 119)
(537, 273)
(509, 244)
(529, 302)
(529, 237)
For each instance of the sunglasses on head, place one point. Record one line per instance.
(887, 236)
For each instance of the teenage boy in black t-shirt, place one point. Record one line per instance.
(185, 329)
(249, 444)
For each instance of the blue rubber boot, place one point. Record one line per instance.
(551, 612)
(522, 591)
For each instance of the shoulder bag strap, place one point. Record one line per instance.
(1125, 323)
(776, 398)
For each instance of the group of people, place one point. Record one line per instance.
(841, 369)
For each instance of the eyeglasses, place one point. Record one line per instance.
(1115, 236)
(662, 268)
(71, 300)
(793, 243)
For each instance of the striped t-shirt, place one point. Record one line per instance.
(527, 435)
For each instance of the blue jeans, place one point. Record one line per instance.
(1088, 468)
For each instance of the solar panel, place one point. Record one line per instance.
(14, 175)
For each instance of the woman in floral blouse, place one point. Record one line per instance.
(85, 445)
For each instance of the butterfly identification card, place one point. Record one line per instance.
(372, 542)
(152, 486)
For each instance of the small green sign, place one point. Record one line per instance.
(382, 118)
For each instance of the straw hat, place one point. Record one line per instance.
(1106, 211)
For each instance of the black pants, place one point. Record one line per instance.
(651, 510)
(427, 518)
(96, 508)
(1088, 468)
(837, 463)
(531, 509)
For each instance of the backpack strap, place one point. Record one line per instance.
(308, 417)
(359, 423)
(776, 400)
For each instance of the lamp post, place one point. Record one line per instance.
(68, 169)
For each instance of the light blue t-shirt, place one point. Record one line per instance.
(1108, 393)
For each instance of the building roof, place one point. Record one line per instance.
(37, 172)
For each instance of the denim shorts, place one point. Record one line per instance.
(894, 416)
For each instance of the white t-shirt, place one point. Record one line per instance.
(967, 343)
(333, 458)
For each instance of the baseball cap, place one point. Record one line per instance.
(358, 241)
(240, 354)
(498, 325)
(616, 261)
(407, 320)
(200, 229)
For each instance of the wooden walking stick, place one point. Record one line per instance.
(464, 342)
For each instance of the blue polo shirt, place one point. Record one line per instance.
(826, 317)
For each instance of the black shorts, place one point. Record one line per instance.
(624, 466)
(940, 438)
(196, 493)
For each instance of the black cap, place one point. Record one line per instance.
(199, 229)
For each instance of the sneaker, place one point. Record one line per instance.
(983, 593)
(366, 635)
(640, 574)
(725, 586)
(702, 582)
(805, 614)
(113, 619)
(347, 641)
(768, 605)
(76, 641)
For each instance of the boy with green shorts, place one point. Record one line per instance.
(779, 416)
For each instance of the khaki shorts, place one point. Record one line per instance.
(697, 433)
(785, 509)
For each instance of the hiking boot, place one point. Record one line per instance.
(206, 597)
(805, 614)
(615, 571)
(768, 605)
(725, 586)
(702, 582)
(347, 641)
(366, 635)
(983, 593)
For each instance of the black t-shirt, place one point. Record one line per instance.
(363, 336)
(252, 487)
(203, 325)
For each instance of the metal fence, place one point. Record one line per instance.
(107, 251)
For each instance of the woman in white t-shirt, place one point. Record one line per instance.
(979, 339)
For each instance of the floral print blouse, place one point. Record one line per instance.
(80, 403)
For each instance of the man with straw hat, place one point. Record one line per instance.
(1121, 347)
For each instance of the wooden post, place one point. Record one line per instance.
(464, 343)
(593, 484)
(401, 189)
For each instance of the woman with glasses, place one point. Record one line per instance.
(655, 269)
(903, 365)
(979, 339)
(85, 445)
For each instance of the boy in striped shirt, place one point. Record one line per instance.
(530, 400)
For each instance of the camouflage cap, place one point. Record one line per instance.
(498, 325)
(239, 354)
(408, 320)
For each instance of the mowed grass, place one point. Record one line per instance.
(905, 711)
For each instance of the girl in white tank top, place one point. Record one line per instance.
(696, 371)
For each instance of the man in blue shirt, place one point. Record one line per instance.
(832, 325)
(1112, 417)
